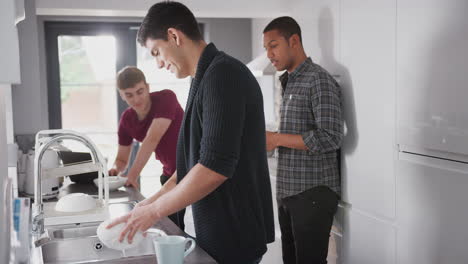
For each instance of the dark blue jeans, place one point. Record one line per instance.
(305, 221)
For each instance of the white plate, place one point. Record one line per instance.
(115, 182)
(110, 237)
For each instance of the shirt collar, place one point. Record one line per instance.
(301, 68)
(286, 76)
(204, 62)
(206, 57)
(284, 79)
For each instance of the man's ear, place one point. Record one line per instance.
(174, 34)
(294, 41)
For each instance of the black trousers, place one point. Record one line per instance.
(178, 217)
(305, 221)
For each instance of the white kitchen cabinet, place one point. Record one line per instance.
(368, 52)
(10, 62)
(355, 40)
(4, 207)
(368, 240)
(432, 213)
(432, 71)
(9, 114)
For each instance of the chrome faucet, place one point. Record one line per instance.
(41, 146)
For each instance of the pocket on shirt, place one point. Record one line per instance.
(295, 102)
(295, 108)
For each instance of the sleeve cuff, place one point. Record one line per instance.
(125, 143)
(222, 165)
(310, 141)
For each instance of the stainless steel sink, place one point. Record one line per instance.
(90, 250)
(72, 232)
(79, 243)
(88, 229)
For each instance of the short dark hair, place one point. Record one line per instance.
(286, 26)
(168, 14)
(129, 76)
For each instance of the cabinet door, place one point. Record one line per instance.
(432, 215)
(9, 64)
(432, 75)
(368, 154)
(368, 240)
(5, 206)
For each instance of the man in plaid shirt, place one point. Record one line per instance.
(308, 140)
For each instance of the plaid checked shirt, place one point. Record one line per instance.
(311, 107)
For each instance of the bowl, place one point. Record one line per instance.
(75, 202)
(115, 182)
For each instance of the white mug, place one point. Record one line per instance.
(171, 249)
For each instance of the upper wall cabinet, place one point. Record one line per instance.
(10, 60)
(432, 77)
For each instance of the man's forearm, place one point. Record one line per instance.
(198, 183)
(290, 141)
(119, 165)
(142, 157)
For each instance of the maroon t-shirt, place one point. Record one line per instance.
(164, 104)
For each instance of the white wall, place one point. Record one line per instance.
(258, 24)
(227, 9)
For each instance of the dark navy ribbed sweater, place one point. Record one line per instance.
(224, 130)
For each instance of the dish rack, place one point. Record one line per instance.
(44, 139)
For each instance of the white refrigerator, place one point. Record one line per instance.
(432, 132)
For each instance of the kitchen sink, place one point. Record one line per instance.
(87, 229)
(90, 250)
(78, 243)
(73, 232)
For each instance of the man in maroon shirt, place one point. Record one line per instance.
(153, 119)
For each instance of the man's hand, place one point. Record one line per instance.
(139, 219)
(142, 203)
(113, 172)
(271, 140)
(131, 181)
